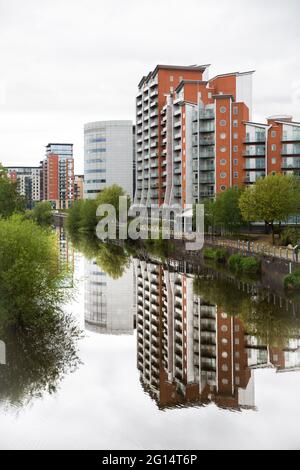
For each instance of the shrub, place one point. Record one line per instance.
(290, 236)
(219, 255)
(292, 281)
(250, 265)
(234, 262)
(209, 253)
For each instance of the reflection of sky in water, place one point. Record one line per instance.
(102, 405)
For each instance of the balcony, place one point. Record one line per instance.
(293, 164)
(210, 128)
(258, 139)
(206, 114)
(207, 141)
(254, 153)
(295, 137)
(290, 151)
(177, 123)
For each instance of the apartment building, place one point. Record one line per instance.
(78, 187)
(190, 352)
(29, 181)
(195, 137)
(58, 175)
(108, 156)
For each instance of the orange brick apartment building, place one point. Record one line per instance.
(195, 137)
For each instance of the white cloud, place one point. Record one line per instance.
(65, 63)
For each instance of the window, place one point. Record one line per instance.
(223, 123)
(223, 109)
(223, 162)
(235, 174)
(171, 78)
(224, 355)
(237, 381)
(275, 358)
(223, 149)
(224, 329)
(235, 148)
(223, 187)
(274, 161)
(235, 162)
(209, 94)
(235, 123)
(236, 328)
(273, 134)
(235, 135)
(224, 316)
(223, 136)
(237, 367)
(223, 175)
(224, 368)
(274, 147)
(224, 381)
(274, 173)
(224, 341)
(235, 110)
(236, 341)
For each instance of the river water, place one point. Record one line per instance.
(163, 365)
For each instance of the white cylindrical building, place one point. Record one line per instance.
(108, 156)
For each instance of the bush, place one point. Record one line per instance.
(250, 265)
(292, 281)
(219, 255)
(290, 236)
(234, 262)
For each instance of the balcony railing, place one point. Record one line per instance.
(255, 139)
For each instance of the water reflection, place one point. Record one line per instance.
(200, 338)
(109, 303)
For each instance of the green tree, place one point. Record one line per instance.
(111, 195)
(88, 218)
(74, 217)
(42, 213)
(30, 279)
(272, 199)
(226, 210)
(10, 199)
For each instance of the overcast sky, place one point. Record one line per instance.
(67, 62)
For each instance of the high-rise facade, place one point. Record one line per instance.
(29, 182)
(195, 137)
(58, 175)
(108, 156)
(79, 187)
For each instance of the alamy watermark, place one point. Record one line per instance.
(141, 222)
(2, 353)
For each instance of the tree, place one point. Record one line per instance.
(88, 218)
(30, 278)
(74, 217)
(42, 213)
(111, 195)
(226, 210)
(10, 199)
(272, 199)
(113, 260)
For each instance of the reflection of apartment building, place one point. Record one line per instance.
(195, 138)
(189, 352)
(29, 180)
(286, 359)
(58, 175)
(109, 303)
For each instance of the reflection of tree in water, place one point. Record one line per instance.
(38, 357)
(272, 319)
(111, 259)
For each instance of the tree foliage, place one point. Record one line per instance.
(10, 199)
(272, 199)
